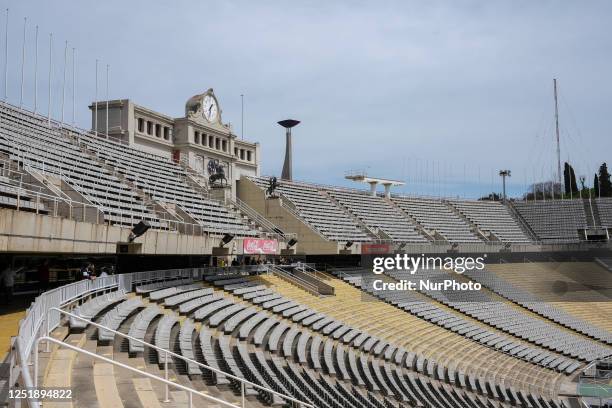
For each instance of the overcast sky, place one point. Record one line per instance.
(441, 95)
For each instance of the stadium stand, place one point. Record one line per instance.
(347, 350)
(604, 208)
(483, 307)
(210, 330)
(492, 217)
(378, 214)
(125, 184)
(317, 210)
(573, 304)
(437, 217)
(554, 221)
(165, 183)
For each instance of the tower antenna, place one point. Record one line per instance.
(557, 132)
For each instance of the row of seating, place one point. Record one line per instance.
(338, 366)
(91, 308)
(529, 301)
(457, 324)
(326, 209)
(604, 208)
(113, 318)
(437, 217)
(28, 140)
(165, 181)
(12, 196)
(294, 341)
(140, 326)
(378, 214)
(335, 361)
(174, 290)
(479, 305)
(162, 284)
(554, 221)
(317, 210)
(492, 217)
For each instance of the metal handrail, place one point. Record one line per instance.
(168, 353)
(288, 205)
(294, 279)
(23, 369)
(261, 220)
(168, 383)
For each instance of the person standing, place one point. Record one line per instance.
(7, 279)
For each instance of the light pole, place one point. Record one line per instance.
(504, 174)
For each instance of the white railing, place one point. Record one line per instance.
(262, 221)
(167, 353)
(165, 380)
(44, 315)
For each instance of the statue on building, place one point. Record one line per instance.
(216, 174)
(272, 187)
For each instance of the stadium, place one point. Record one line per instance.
(149, 262)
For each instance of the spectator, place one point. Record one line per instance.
(85, 272)
(7, 280)
(92, 270)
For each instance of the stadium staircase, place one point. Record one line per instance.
(431, 236)
(155, 207)
(176, 213)
(377, 235)
(485, 236)
(592, 213)
(522, 223)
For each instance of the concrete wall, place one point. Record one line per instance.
(29, 232)
(308, 241)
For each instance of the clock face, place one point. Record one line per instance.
(209, 108)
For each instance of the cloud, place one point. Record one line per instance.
(375, 84)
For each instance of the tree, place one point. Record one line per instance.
(596, 185)
(569, 179)
(566, 179)
(491, 197)
(605, 185)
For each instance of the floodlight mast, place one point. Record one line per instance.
(504, 174)
(287, 173)
(557, 134)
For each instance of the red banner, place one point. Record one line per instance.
(259, 246)
(367, 249)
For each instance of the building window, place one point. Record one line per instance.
(249, 155)
(141, 125)
(196, 137)
(217, 143)
(157, 130)
(224, 145)
(166, 133)
(149, 127)
(211, 141)
(241, 154)
(236, 151)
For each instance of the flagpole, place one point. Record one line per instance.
(36, 71)
(73, 86)
(64, 80)
(50, 69)
(96, 103)
(23, 52)
(107, 69)
(6, 55)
